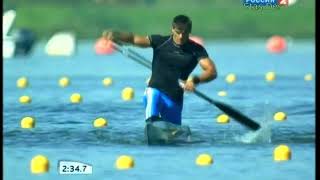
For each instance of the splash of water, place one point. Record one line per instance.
(263, 135)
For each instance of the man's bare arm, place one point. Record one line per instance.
(209, 72)
(125, 37)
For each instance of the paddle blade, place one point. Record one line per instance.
(238, 116)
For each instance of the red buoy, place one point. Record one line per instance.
(276, 44)
(103, 46)
(196, 39)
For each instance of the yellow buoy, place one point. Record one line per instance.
(270, 76)
(223, 118)
(127, 94)
(308, 77)
(25, 99)
(39, 164)
(100, 122)
(204, 160)
(280, 116)
(75, 98)
(231, 78)
(27, 122)
(64, 81)
(222, 93)
(124, 162)
(107, 81)
(282, 153)
(22, 82)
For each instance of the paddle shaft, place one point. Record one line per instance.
(241, 118)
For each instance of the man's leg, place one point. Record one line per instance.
(171, 110)
(153, 134)
(152, 104)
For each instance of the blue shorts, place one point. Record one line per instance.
(160, 105)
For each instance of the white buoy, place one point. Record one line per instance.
(61, 44)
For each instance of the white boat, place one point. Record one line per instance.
(8, 46)
(18, 43)
(61, 44)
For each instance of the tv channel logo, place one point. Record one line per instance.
(266, 2)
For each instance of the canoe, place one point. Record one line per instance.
(163, 132)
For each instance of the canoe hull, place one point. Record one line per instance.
(162, 132)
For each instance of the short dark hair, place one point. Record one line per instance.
(182, 19)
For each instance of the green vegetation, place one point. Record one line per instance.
(212, 19)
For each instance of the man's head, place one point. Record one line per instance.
(181, 28)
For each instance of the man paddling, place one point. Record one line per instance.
(174, 57)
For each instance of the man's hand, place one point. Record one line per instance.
(190, 84)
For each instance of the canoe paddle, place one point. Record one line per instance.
(235, 114)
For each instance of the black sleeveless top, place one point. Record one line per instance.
(172, 62)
